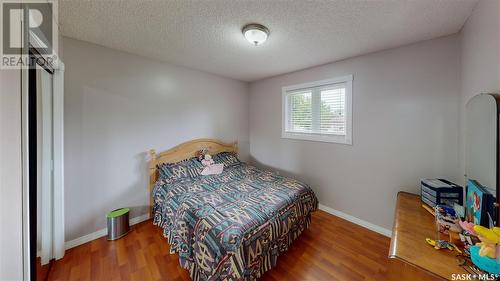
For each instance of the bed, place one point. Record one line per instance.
(231, 226)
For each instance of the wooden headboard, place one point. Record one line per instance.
(181, 152)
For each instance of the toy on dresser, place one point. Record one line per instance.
(486, 254)
(468, 236)
(446, 220)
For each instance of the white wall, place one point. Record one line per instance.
(480, 58)
(406, 103)
(117, 107)
(11, 254)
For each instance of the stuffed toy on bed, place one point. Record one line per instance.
(210, 168)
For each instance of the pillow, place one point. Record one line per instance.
(189, 168)
(226, 158)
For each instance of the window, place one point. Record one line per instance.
(319, 111)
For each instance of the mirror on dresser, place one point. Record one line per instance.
(481, 144)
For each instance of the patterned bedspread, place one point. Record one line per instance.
(232, 226)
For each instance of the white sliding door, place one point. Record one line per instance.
(50, 205)
(58, 157)
(45, 93)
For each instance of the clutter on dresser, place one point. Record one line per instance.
(467, 264)
(486, 254)
(467, 239)
(440, 192)
(443, 244)
(429, 209)
(446, 220)
(477, 247)
(479, 205)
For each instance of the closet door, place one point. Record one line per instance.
(45, 83)
(45, 169)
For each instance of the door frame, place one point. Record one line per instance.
(28, 206)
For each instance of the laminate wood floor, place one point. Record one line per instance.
(331, 249)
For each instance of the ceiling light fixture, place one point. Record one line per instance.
(255, 33)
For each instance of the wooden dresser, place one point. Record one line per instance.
(410, 257)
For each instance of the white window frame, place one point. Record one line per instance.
(285, 91)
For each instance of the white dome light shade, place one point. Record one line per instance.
(256, 34)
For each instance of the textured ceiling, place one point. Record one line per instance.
(206, 35)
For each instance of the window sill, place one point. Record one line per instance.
(318, 137)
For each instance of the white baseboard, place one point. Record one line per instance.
(355, 220)
(103, 232)
(100, 233)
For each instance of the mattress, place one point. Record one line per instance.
(232, 226)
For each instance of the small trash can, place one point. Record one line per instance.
(118, 224)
